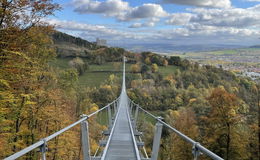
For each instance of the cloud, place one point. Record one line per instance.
(93, 30)
(199, 29)
(197, 25)
(145, 11)
(119, 9)
(136, 25)
(192, 33)
(108, 8)
(211, 25)
(232, 17)
(255, 8)
(139, 25)
(235, 17)
(149, 23)
(199, 34)
(202, 3)
(179, 19)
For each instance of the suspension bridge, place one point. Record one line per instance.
(122, 139)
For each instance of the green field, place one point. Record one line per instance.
(62, 63)
(228, 52)
(97, 74)
(93, 79)
(209, 53)
(224, 52)
(167, 70)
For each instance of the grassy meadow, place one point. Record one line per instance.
(96, 74)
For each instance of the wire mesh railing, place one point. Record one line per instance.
(95, 120)
(139, 113)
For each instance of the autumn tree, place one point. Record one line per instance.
(24, 14)
(157, 60)
(107, 92)
(165, 63)
(254, 123)
(183, 120)
(147, 61)
(154, 68)
(145, 69)
(226, 131)
(175, 60)
(30, 95)
(79, 64)
(135, 68)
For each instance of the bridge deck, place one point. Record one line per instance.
(121, 146)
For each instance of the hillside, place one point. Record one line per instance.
(69, 46)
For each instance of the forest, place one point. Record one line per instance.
(208, 104)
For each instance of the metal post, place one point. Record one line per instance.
(43, 150)
(136, 116)
(115, 108)
(109, 117)
(85, 140)
(131, 108)
(156, 140)
(195, 151)
(117, 103)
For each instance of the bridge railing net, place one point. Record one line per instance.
(146, 123)
(99, 128)
(98, 123)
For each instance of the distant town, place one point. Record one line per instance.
(243, 62)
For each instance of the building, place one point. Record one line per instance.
(101, 42)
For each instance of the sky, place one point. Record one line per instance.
(176, 22)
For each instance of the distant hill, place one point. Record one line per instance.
(69, 46)
(59, 37)
(170, 48)
(255, 46)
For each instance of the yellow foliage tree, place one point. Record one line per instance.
(154, 68)
(183, 120)
(147, 61)
(135, 68)
(165, 63)
(30, 93)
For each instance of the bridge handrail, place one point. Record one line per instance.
(109, 139)
(46, 139)
(183, 136)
